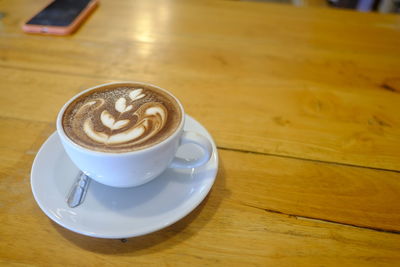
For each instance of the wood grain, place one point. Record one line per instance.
(244, 189)
(208, 236)
(262, 209)
(326, 88)
(12, 149)
(302, 102)
(317, 122)
(349, 195)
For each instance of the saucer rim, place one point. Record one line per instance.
(188, 208)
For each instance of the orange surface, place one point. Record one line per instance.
(303, 104)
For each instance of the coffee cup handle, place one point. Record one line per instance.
(199, 140)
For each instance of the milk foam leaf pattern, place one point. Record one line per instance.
(136, 94)
(94, 135)
(120, 105)
(120, 124)
(151, 118)
(108, 120)
(95, 104)
(145, 122)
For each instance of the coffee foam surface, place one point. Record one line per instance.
(121, 119)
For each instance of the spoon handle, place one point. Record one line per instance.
(77, 193)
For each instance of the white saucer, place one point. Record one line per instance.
(109, 212)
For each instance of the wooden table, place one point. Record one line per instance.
(303, 103)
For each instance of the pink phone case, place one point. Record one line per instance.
(62, 30)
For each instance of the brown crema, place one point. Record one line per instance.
(121, 117)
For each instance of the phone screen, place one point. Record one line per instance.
(59, 13)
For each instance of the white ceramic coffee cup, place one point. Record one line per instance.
(137, 167)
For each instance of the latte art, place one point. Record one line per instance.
(121, 119)
(150, 119)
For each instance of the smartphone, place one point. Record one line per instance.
(60, 17)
